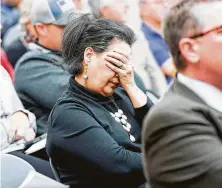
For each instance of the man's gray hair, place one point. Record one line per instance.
(25, 13)
(179, 23)
(95, 6)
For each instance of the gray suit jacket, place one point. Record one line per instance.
(182, 142)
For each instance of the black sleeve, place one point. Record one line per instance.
(182, 150)
(41, 82)
(88, 144)
(141, 112)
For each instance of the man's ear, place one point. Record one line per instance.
(41, 29)
(189, 49)
(31, 30)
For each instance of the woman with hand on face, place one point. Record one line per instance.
(95, 127)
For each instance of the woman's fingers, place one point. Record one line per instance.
(122, 53)
(118, 57)
(119, 64)
(114, 68)
(127, 56)
(121, 72)
(115, 62)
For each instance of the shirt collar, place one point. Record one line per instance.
(37, 47)
(211, 95)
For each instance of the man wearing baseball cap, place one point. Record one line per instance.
(39, 80)
(49, 18)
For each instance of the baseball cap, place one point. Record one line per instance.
(56, 12)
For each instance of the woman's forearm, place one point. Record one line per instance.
(136, 95)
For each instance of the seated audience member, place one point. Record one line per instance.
(15, 121)
(9, 14)
(16, 39)
(39, 80)
(183, 133)
(152, 13)
(145, 65)
(95, 127)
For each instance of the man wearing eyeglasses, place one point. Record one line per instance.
(182, 134)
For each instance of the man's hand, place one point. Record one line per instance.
(19, 127)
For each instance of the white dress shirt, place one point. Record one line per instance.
(211, 95)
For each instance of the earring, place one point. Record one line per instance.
(195, 59)
(85, 76)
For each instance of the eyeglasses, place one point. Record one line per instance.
(206, 32)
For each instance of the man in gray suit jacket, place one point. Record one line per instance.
(182, 134)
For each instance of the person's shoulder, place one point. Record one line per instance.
(45, 72)
(38, 55)
(165, 108)
(67, 108)
(68, 102)
(172, 110)
(173, 102)
(28, 58)
(38, 60)
(11, 36)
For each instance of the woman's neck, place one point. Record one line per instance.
(80, 80)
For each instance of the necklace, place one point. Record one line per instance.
(121, 118)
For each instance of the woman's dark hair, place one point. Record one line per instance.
(87, 31)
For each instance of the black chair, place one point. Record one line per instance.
(54, 170)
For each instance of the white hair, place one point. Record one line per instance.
(25, 13)
(95, 6)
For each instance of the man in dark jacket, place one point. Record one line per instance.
(39, 80)
(182, 134)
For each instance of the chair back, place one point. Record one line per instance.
(54, 170)
(13, 171)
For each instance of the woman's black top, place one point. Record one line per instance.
(88, 147)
